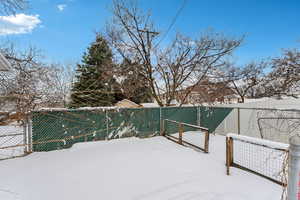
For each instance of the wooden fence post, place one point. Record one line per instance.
(206, 144)
(229, 154)
(180, 130)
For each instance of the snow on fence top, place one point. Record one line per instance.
(190, 125)
(259, 141)
(287, 103)
(81, 109)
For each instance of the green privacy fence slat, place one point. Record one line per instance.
(68, 126)
(212, 117)
(183, 114)
(62, 129)
(52, 130)
(133, 122)
(41, 131)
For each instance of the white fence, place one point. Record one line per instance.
(270, 124)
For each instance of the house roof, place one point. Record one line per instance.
(4, 64)
(127, 103)
(212, 89)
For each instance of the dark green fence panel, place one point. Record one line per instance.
(212, 117)
(52, 130)
(133, 122)
(179, 114)
(46, 126)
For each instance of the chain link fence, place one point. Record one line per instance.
(58, 129)
(54, 129)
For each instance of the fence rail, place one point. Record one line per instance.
(180, 140)
(11, 135)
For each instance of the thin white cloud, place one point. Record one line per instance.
(18, 24)
(61, 7)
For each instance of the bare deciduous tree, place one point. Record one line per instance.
(60, 81)
(246, 80)
(32, 84)
(284, 79)
(183, 63)
(26, 79)
(12, 6)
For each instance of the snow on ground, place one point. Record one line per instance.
(131, 169)
(149, 105)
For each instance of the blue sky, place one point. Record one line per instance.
(63, 29)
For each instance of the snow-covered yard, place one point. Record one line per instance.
(131, 169)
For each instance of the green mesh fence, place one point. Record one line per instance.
(53, 130)
(172, 128)
(184, 114)
(133, 122)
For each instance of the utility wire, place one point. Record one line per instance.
(172, 22)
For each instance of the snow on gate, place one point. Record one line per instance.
(262, 157)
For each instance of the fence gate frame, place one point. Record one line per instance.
(24, 143)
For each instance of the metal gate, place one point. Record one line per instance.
(14, 140)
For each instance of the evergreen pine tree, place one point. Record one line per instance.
(95, 85)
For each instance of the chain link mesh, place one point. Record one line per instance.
(11, 141)
(58, 129)
(261, 159)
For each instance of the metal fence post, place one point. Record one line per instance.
(163, 132)
(30, 135)
(162, 127)
(294, 169)
(25, 135)
(198, 116)
(107, 124)
(239, 121)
